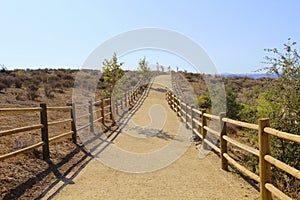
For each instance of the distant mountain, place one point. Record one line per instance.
(255, 76)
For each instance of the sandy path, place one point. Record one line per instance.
(187, 178)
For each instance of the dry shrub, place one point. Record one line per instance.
(32, 92)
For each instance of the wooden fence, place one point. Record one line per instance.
(102, 107)
(197, 121)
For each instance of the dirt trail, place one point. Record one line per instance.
(187, 178)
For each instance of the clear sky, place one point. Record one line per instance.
(61, 33)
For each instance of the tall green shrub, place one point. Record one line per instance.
(281, 103)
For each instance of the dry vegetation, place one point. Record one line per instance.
(246, 102)
(27, 175)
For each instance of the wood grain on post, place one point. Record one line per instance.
(130, 97)
(174, 104)
(110, 110)
(186, 115)
(223, 143)
(44, 131)
(200, 125)
(133, 98)
(91, 117)
(134, 93)
(117, 105)
(102, 111)
(73, 123)
(178, 108)
(171, 101)
(122, 101)
(181, 111)
(264, 166)
(192, 118)
(203, 130)
(168, 97)
(125, 94)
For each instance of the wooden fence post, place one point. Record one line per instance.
(91, 117)
(126, 99)
(170, 100)
(110, 109)
(133, 95)
(45, 137)
(173, 102)
(186, 115)
(181, 111)
(167, 96)
(203, 130)
(130, 97)
(199, 127)
(117, 105)
(102, 111)
(122, 101)
(223, 143)
(73, 122)
(264, 167)
(192, 119)
(178, 107)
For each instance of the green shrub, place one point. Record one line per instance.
(204, 101)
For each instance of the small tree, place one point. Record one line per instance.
(144, 70)
(112, 71)
(281, 104)
(285, 91)
(169, 68)
(3, 68)
(162, 68)
(157, 66)
(204, 101)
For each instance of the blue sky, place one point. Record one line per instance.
(57, 33)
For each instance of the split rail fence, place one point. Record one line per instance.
(198, 121)
(101, 108)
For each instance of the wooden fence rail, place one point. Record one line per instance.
(197, 121)
(104, 108)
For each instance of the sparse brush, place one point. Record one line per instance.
(49, 91)
(32, 92)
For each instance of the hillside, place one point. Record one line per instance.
(27, 175)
